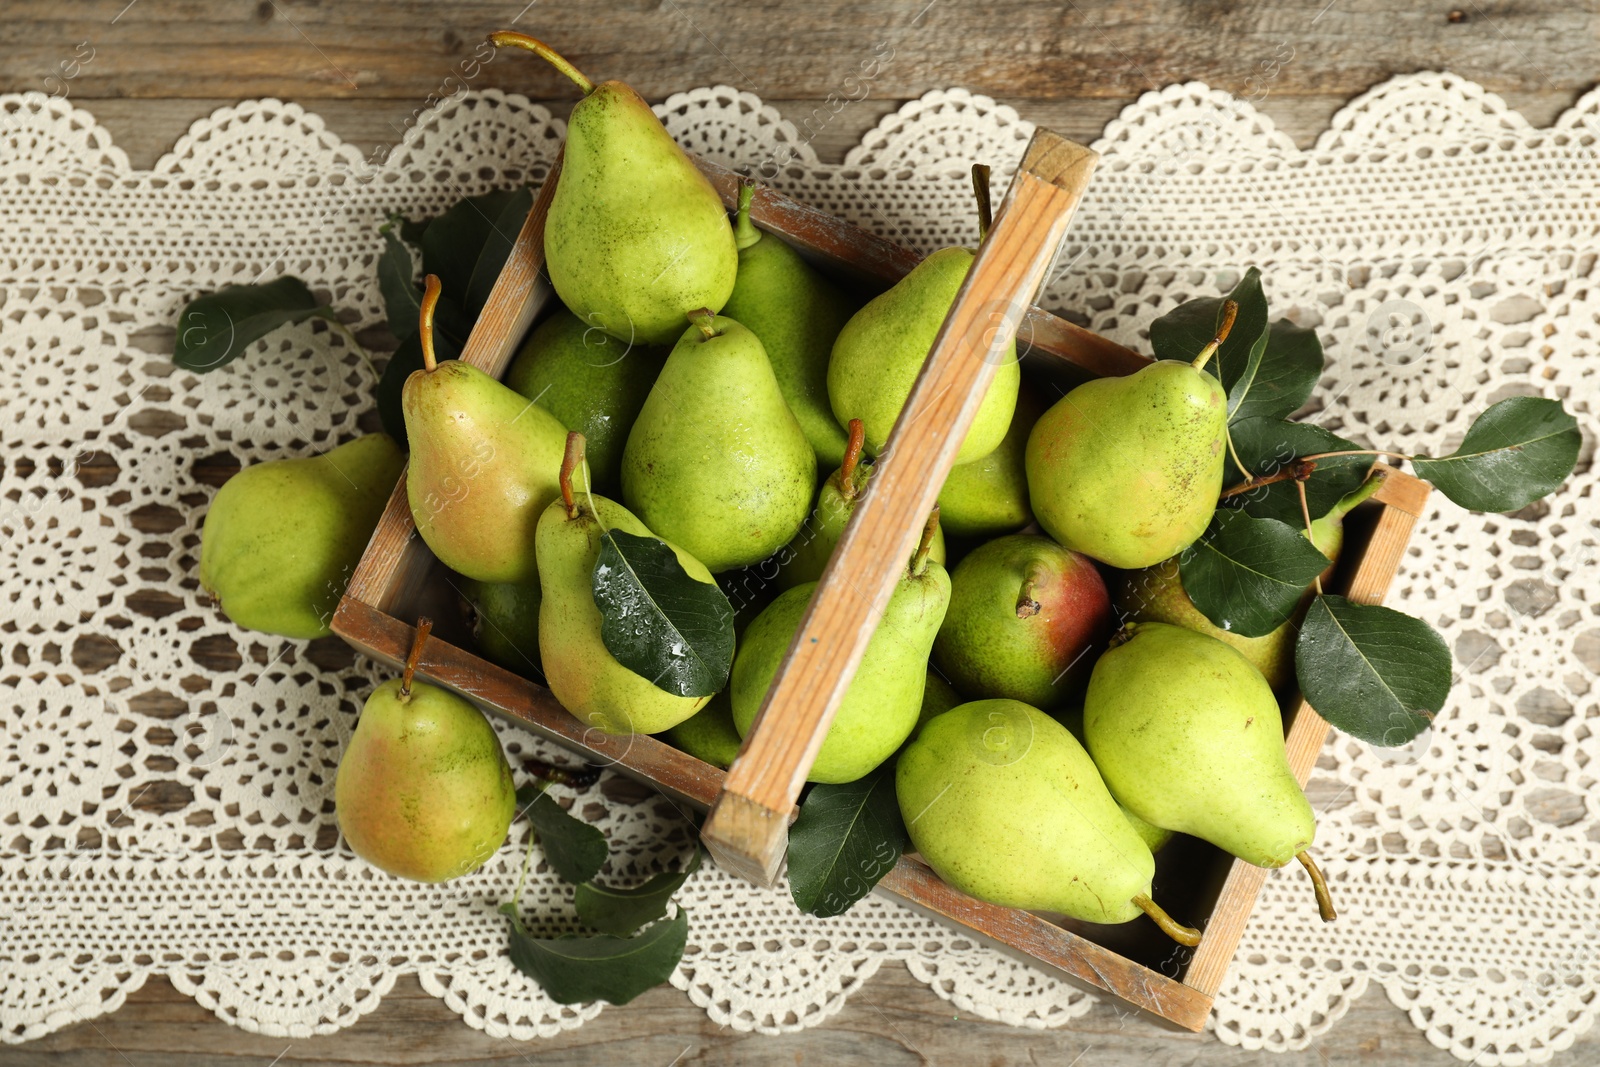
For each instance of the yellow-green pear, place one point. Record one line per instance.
(483, 464)
(716, 462)
(938, 697)
(581, 673)
(1004, 804)
(636, 237)
(884, 700)
(1188, 736)
(283, 537)
(423, 789)
(796, 313)
(505, 623)
(1154, 837)
(989, 496)
(709, 734)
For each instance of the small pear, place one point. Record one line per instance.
(1156, 594)
(1189, 737)
(1004, 804)
(1027, 619)
(582, 674)
(881, 350)
(636, 237)
(716, 461)
(938, 697)
(796, 313)
(709, 734)
(591, 382)
(282, 538)
(1128, 470)
(423, 790)
(806, 556)
(881, 707)
(505, 623)
(989, 496)
(482, 464)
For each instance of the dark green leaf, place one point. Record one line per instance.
(1182, 332)
(1266, 446)
(846, 838)
(1519, 450)
(1373, 672)
(576, 970)
(622, 911)
(453, 243)
(216, 329)
(1247, 575)
(575, 849)
(1290, 368)
(402, 363)
(527, 794)
(497, 249)
(657, 621)
(397, 282)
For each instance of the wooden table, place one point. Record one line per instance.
(366, 67)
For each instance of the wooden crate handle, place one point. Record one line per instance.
(747, 828)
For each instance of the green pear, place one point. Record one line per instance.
(1154, 837)
(423, 789)
(806, 556)
(1156, 594)
(881, 707)
(505, 623)
(282, 538)
(1026, 620)
(1004, 804)
(581, 673)
(796, 313)
(881, 350)
(636, 237)
(483, 464)
(716, 461)
(1128, 470)
(709, 734)
(938, 697)
(1189, 736)
(989, 496)
(590, 381)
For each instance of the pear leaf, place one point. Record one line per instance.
(1246, 574)
(1519, 450)
(846, 838)
(1291, 366)
(576, 970)
(215, 329)
(403, 362)
(659, 622)
(575, 849)
(1373, 672)
(470, 241)
(497, 248)
(1267, 445)
(1182, 332)
(620, 912)
(397, 282)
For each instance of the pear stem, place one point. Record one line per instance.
(1032, 578)
(1183, 935)
(706, 319)
(745, 233)
(1299, 470)
(1230, 311)
(1358, 495)
(569, 463)
(852, 455)
(430, 300)
(513, 39)
(1311, 535)
(1324, 899)
(980, 189)
(919, 561)
(424, 627)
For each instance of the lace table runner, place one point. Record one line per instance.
(1443, 248)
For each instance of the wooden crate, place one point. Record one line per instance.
(398, 580)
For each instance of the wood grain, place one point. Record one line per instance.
(788, 732)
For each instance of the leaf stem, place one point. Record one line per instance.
(919, 561)
(1324, 898)
(980, 189)
(1183, 935)
(1227, 436)
(1230, 311)
(852, 456)
(569, 463)
(1358, 452)
(513, 39)
(430, 300)
(745, 233)
(1299, 470)
(424, 626)
(1032, 577)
